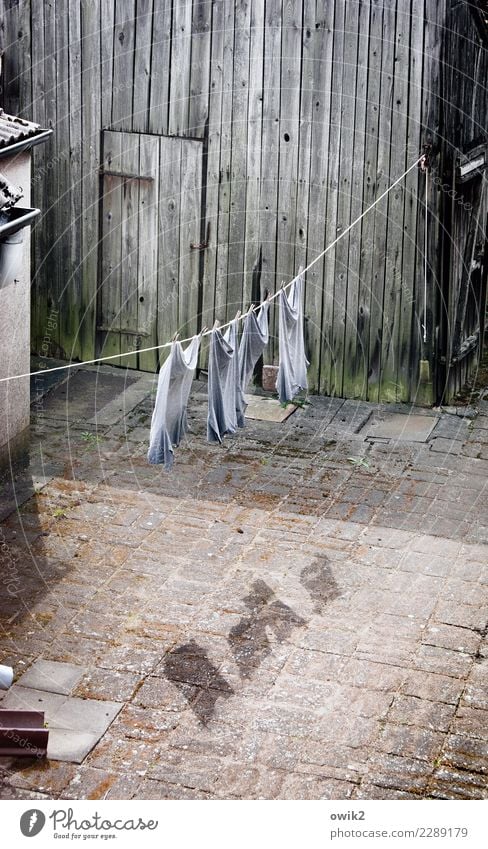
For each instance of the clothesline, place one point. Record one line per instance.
(241, 317)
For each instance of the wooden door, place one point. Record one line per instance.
(465, 297)
(150, 265)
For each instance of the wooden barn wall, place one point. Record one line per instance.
(307, 108)
(465, 64)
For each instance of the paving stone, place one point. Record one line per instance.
(70, 745)
(375, 791)
(451, 784)
(411, 710)
(466, 753)
(43, 775)
(374, 676)
(150, 788)
(85, 715)
(107, 684)
(409, 741)
(52, 676)
(298, 786)
(471, 722)
(89, 783)
(187, 769)
(399, 773)
(409, 428)
(124, 756)
(443, 661)
(450, 637)
(437, 688)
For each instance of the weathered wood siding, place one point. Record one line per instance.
(307, 110)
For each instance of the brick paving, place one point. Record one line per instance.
(299, 614)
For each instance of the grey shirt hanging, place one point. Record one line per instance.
(254, 339)
(169, 424)
(223, 384)
(292, 371)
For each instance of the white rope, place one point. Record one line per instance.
(221, 326)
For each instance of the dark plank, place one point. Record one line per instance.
(142, 65)
(169, 239)
(91, 88)
(147, 288)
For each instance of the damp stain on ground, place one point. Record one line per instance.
(191, 670)
(248, 640)
(318, 579)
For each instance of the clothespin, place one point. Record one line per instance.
(238, 315)
(425, 162)
(175, 337)
(216, 324)
(203, 331)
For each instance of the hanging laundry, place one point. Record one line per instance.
(254, 339)
(169, 424)
(292, 371)
(223, 383)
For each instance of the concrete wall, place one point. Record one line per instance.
(15, 335)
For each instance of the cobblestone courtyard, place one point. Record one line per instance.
(299, 614)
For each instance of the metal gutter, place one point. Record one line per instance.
(17, 219)
(24, 144)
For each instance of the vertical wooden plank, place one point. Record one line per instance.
(381, 210)
(199, 68)
(160, 67)
(238, 172)
(412, 200)
(354, 383)
(47, 269)
(129, 251)
(222, 234)
(268, 202)
(389, 389)
(365, 303)
(24, 60)
(291, 26)
(73, 282)
(11, 61)
(123, 73)
(91, 88)
(432, 110)
(142, 65)
(305, 132)
(190, 218)
(39, 162)
(68, 318)
(213, 161)
(110, 295)
(106, 11)
(148, 250)
(252, 241)
(344, 282)
(333, 274)
(316, 283)
(169, 238)
(180, 68)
